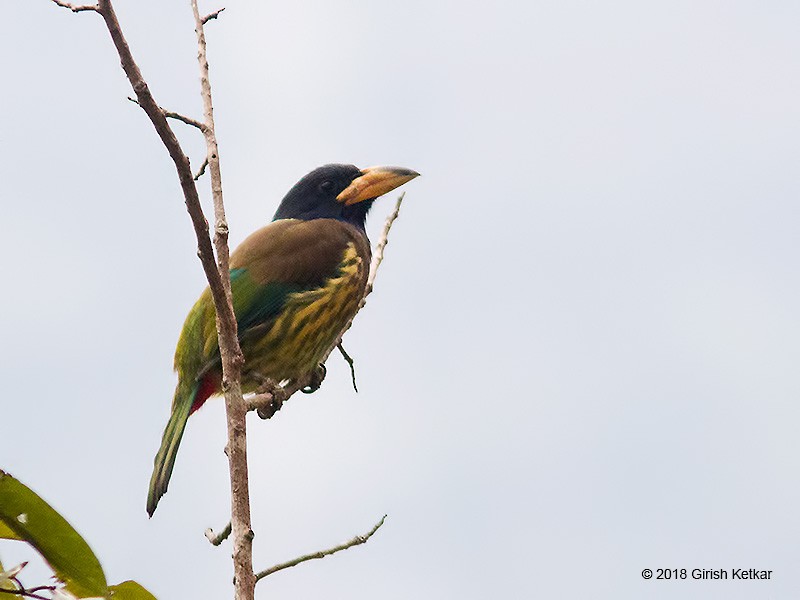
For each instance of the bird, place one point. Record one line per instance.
(295, 284)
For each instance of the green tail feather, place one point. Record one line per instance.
(165, 459)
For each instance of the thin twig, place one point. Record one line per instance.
(217, 538)
(212, 15)
(29, 593)
(77, 8)
(380, 248)
(39, 588)
(356, 541)
(184, 119)
(202, 169)
(349, 360)
(170, 114)
(377, 259)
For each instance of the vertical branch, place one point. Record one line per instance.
(232, 360)
(218, 276)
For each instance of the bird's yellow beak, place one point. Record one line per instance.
(374, 182)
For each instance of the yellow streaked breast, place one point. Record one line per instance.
(307, 326)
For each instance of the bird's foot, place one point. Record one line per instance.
(272, 404)
(269, 397)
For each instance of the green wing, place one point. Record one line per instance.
(256, 305)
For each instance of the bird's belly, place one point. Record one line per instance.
(306, 329)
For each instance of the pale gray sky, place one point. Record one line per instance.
(581, 357)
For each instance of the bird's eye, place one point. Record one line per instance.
(326, 186)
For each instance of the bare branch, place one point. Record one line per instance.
(380, 248)
(77, 8)
(212, 15)
(356, 541)
(177, 116)
(217, 539)
(202, 169)
(232, 359)
(184, 119)
(218, 281)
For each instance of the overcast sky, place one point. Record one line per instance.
(581, 357)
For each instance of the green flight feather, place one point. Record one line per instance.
(170, 441)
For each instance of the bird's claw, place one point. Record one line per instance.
(316, 379)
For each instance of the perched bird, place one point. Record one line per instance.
(295, 284)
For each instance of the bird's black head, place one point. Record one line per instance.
(342, 192)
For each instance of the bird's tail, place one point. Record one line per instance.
(165, 459)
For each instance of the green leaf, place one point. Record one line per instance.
(7, 585)
(130, 590)
(6, 533)
(36, 522)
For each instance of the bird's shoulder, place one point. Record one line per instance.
(297, 251)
